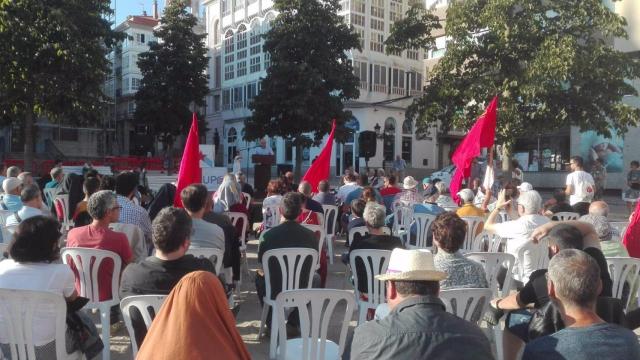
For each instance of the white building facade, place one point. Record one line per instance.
(387, 84)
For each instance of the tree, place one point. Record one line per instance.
(551, 63)
(173, 76)
(309, 78)
(53, 62)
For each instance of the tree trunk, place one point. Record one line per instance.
(28, 140)
(298, 168)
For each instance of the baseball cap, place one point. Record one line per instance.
(466, 195)
(9, 184)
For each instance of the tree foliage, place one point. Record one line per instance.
(551, 63)
(52, 61)
(310, 75)
(414, 31)
(174, 75)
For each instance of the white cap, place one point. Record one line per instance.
(466, 195)
(525, 186)
(9, 184)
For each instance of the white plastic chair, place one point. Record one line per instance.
(63, 199)
(248, 197)
(466, 303)
(144, 303)
(291, 261)
(565, 216)
(403, 215)
(492, 264)
(539, 255)
(621, 227)
(487, 241)
(623, 270)
(49, 195)
(235, 217)
(271, 216)
(375, 263)
(473, 223)
(361, 230)
(19, 309)
(330, 222)
(316, 308)
(423, 224)
(87, 262)
(320, 234)
(136, 239)
(214, 255)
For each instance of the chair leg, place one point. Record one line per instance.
(263, 319)
(329, 239)
(273, 343)
(105, 320)
(362, 314)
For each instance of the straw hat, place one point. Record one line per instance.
(409, 183)
(412, 265)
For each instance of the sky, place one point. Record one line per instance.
(125, 8)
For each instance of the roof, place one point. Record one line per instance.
(147, 21)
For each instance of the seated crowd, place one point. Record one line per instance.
(563, 310)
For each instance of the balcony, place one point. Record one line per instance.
(398, 91)
(364, 85)
(380, 88)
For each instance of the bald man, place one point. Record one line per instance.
(599, 208)
(305, 189)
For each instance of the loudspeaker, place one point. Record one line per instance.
(367, 144)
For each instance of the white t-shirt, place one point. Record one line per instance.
(583, 187)
(24, 213)
(270, 211)
(517, 234)
(55, 278)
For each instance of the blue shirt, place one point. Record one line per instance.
(51, 184)
(599, 341)
(11, 202)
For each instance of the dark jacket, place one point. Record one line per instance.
(420, 328)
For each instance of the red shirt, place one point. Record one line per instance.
(391, 190)
(104, 239)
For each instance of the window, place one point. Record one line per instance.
(228, 72)
(238, 97)
(135, 83)
(255, 41)
(380, 78)
(360, 33)
(131, 107)
(358, 6)
(226, 99)
(125, 84)
(357, 19)
(407, 143)
(395, 10)
(397, 82)
(389, 140)
(412, 54)
(232, 136)
(360, 70)
(255, 64)
(545, 152)
(377, 24)
(267, 60)
(252, 91)
(125, 62)
(377, 8)
(218, 74)
(216, 103)
(242, 68)
(239, 4)
(228, 48)
(377, 42)
(439, 49)
(415, 81)
(241, 40)
(226, 7)
(407, 127)
(140, 38)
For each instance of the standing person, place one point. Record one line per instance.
(580, 186)
(418, 327)
(574, 284)
(516, 173)
(599, 174)
(264, 149)
(216, 140)
(633, 182)
(237, 163)
(399, 165)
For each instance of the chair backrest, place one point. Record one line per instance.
(423, 224)
(291, 261)
(566, 215)
(620, 226)
(62, 203)
(19, 309)
(4, 214)
(402, 216)
(623, 270)
(493, 263)
(361, 230)
(375, 263)
(450, 208)
(87, 263)
(248, 197)
(316, 307)
(214, 255)
(539, 255)
(271, 216)
(320, 234)
(487, 241)
(148, 306)
(330, 219)
(49, 195)
(235, 216)
(473, 223)
(467, 303)
(135, 236)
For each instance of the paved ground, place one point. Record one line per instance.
(248, 319)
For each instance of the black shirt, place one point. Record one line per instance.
(314, 206)
(374, 242)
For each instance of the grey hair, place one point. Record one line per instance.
(442, 188)
(374, 215)
(305, 188)
(24, 175)
(13, 171)
(531, 201)
(29, 192)
(55, 172)
(576, 277)
(101, 202)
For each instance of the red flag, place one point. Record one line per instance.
(631, 239)
(190, 172)
(319, 170)
(481, 135)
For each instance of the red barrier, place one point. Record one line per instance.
(117, 163)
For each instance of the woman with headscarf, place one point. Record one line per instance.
(163, 199)
(194, 323)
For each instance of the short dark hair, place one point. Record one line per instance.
(323, 186)
(29, 192)
(566, 236)
(417, 287)
(292, 205)
(350, 177)
(450, 231)
(194, 197)
(559, 195)
(368, 194)
(108, 182)
(36, 240)
(357, 206)
(91, 185)
(91, 173)
(578, 160)
(170, 229)
(126, 183)
(635, 163)
(391, 179)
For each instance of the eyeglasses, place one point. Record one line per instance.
(116, 207)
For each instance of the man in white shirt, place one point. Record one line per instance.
(205, 234)
(350, 184)
(31, 204)
(580, 186)
(263, 149)
(518, 232)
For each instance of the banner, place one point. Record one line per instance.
(212, 177)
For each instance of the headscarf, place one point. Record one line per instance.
(228, 193)
(194, 323)
(631, 239)
(163, 199)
